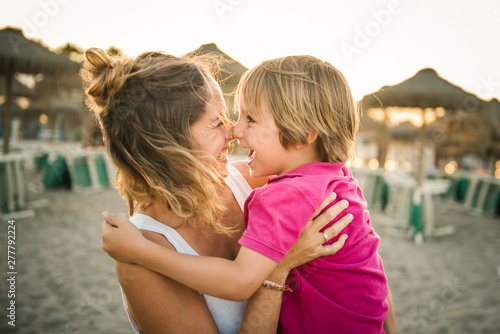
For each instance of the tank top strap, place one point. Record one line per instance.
(239, 186)
(144, 222)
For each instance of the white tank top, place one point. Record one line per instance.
(227, 314)
(239, 186)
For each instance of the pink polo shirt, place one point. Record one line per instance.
(342, 293)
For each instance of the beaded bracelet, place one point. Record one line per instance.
(275, 286)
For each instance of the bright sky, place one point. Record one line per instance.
(373, 42)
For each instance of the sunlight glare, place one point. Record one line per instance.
(44, 118)
(391, 165)
(450, 167)
(373, 164)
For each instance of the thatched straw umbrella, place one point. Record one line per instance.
(231, 70)
(229, 77)
(18, 89)
(426, 89)
(15, 109)
(493, 114)
(21, 55)
(63, 98)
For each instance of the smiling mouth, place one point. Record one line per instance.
(223, 155)
(251, 156)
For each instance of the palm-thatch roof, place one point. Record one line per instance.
(16, 110)
(21, 55)
(232, 70)
(426, 89)
(18, 88)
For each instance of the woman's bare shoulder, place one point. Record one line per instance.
(157, 238)
(158, 304)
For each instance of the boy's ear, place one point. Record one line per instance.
(311, 137)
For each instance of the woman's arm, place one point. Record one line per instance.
(263, 308)
(390, 320)
(158, 304)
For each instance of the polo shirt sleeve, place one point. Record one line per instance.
(275, 216)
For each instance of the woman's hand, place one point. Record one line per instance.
(310, 244)
(121, 239)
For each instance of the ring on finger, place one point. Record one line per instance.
(325, 236)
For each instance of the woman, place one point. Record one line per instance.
(164, 125)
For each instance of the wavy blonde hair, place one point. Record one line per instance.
(145, 107)
(305, 95)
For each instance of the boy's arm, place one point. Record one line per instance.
(218, 277)
(232, 280)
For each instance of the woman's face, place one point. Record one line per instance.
(211, 133)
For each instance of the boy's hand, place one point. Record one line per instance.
(121, 239)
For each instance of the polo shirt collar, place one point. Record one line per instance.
(315, 168)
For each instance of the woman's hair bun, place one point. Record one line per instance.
(97, 58)
(104, 76)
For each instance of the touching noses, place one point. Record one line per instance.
(228, 131)
(237, 130)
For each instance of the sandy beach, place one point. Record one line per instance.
(65, 283)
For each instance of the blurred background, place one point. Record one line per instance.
(426, 76)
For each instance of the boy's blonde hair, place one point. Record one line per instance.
(305, 95)
(145, 107)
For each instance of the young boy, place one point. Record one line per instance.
(298, 120)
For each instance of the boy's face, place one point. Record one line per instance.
(260, 135)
